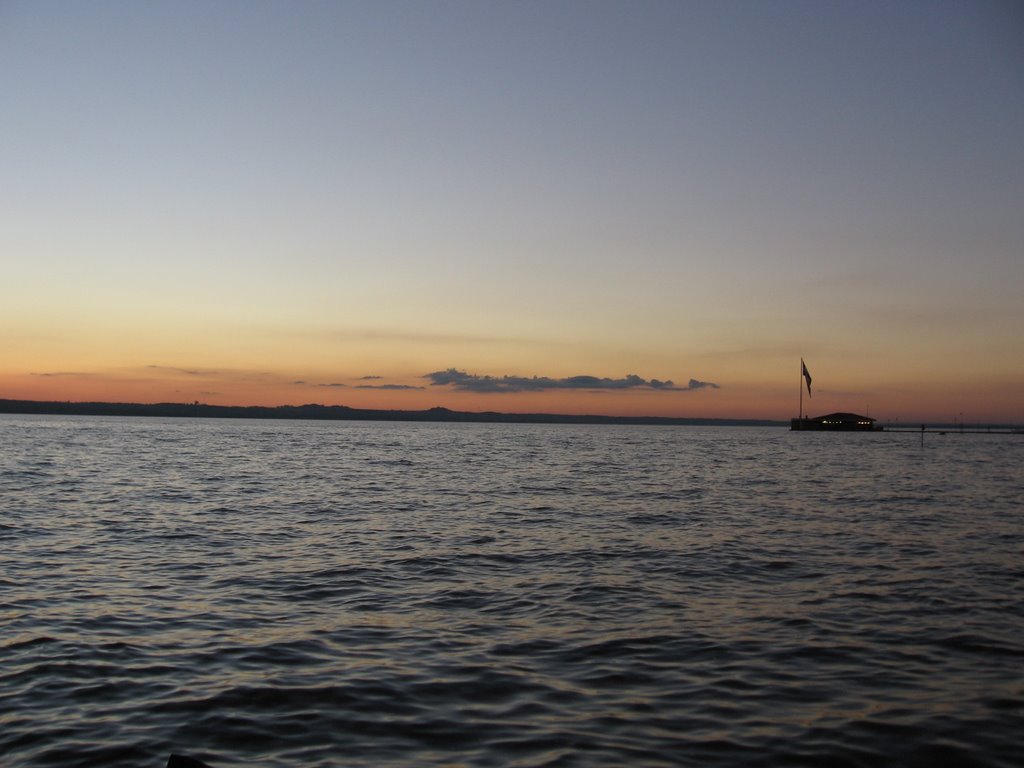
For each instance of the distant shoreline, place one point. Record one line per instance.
(344, 413)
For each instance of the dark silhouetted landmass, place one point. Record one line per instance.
(344, 413)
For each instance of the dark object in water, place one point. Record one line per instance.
(835, 422)
(180, 761)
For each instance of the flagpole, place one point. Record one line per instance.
(801, 385)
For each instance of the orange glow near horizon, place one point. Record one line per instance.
(908, 403)
(306, 227)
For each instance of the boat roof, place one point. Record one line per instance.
(843, 416)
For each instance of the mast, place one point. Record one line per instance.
(805, 376)
(800, 384)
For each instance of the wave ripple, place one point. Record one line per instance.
(324, 594)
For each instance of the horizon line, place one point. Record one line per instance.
(436, 413)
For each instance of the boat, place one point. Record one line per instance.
(830, 422)
(835, 422)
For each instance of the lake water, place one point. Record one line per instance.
(279, 594)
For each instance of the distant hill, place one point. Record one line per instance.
(344, 413)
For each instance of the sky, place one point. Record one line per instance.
(633, 208)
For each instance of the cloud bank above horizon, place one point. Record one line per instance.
(469, 382)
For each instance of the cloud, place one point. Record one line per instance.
(468, 382)
(694, 384)
(340, 385)
(387, 386)
(50, 374)
(185, 371)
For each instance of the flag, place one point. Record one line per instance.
(807, 376)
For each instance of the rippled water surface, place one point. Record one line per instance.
(277, 594)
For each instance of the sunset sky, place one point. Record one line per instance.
(580, 207)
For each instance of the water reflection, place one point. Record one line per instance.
(280, 594)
